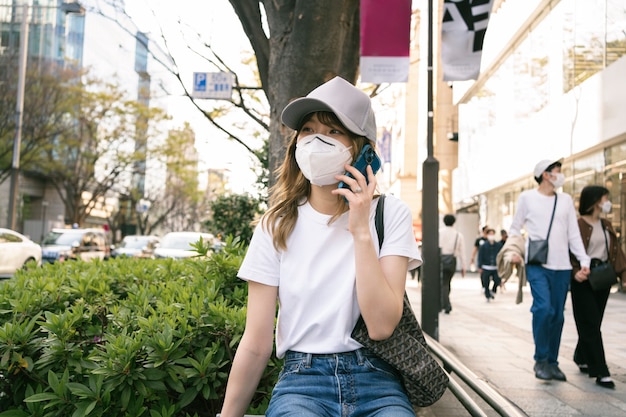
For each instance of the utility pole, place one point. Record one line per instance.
(431, 286)
(67, 8)
(19, 109)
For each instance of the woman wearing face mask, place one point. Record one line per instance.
(548, 214)
(315, 251)
(588, 305)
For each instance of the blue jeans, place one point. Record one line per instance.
(549, 290)
(351, 384)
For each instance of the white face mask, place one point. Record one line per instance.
(606, 207)
(491, 238)
(321, 157)
(558, 181)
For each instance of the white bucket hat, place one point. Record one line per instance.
(351, 105)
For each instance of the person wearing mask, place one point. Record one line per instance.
(487, 265)
(548, 214)
(315, 252)
(451, 246)
(588, 304)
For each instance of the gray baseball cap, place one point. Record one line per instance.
(351, 105)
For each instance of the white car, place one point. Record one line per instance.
(136, 246)
(61, 245)
(177, 245)
(16, 251)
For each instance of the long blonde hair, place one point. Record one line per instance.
(292, 189)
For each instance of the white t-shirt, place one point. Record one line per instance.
(316, 275)
(534, 210)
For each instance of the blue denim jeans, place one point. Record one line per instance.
(549, 290)
(351, 384)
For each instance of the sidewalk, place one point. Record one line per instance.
(494, 340)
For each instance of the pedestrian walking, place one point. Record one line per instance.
(588, 304)
(550, 221)
(477, 243)
(317, 255)
(452, 248)
(487, 265)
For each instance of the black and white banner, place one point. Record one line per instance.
(463, 29)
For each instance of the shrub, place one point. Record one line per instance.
(233, 215)
(124, 337)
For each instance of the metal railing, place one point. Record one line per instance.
(492, 397)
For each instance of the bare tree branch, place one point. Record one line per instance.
(168, 62)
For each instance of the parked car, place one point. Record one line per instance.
(85, 244)
(17, 251)
(136, 246)
(177, 245)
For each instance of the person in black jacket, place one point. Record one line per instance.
(486, 263)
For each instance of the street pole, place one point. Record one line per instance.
(44, 206)
(19, 109)
(431, 285)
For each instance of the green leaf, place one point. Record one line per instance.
(80, 390)
(14, 413)
(84, 408)
(44, 396)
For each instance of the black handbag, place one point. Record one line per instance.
(603, 275)
(448, 261)
(538, 249)
(406, 349)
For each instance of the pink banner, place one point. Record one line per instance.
(385, 39)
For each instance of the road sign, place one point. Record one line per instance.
(213, 85)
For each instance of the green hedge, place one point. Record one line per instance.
(123, 337)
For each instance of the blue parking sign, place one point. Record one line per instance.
(199, 81)
(213, 85)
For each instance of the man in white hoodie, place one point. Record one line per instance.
(548, 214)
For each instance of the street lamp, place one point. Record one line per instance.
(19, 105)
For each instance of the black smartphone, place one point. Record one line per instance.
(367, 157)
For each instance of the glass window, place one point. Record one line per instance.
(615, 34)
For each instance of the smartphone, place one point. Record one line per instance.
(367, 157)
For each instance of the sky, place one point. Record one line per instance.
(110, 52)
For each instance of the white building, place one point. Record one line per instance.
(552, 85)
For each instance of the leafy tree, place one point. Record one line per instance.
(78, 133)
(175, 202)
(45, 114)
(97, 153)
(232, 215)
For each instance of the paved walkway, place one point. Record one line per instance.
(494, 340)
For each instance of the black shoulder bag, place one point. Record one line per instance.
(538, 249)
(406, 349)
(602, 276)
(448, 261)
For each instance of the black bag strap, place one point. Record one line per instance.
(552, 218)
(379, 220)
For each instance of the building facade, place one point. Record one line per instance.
(55, 38)
(552, 86)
